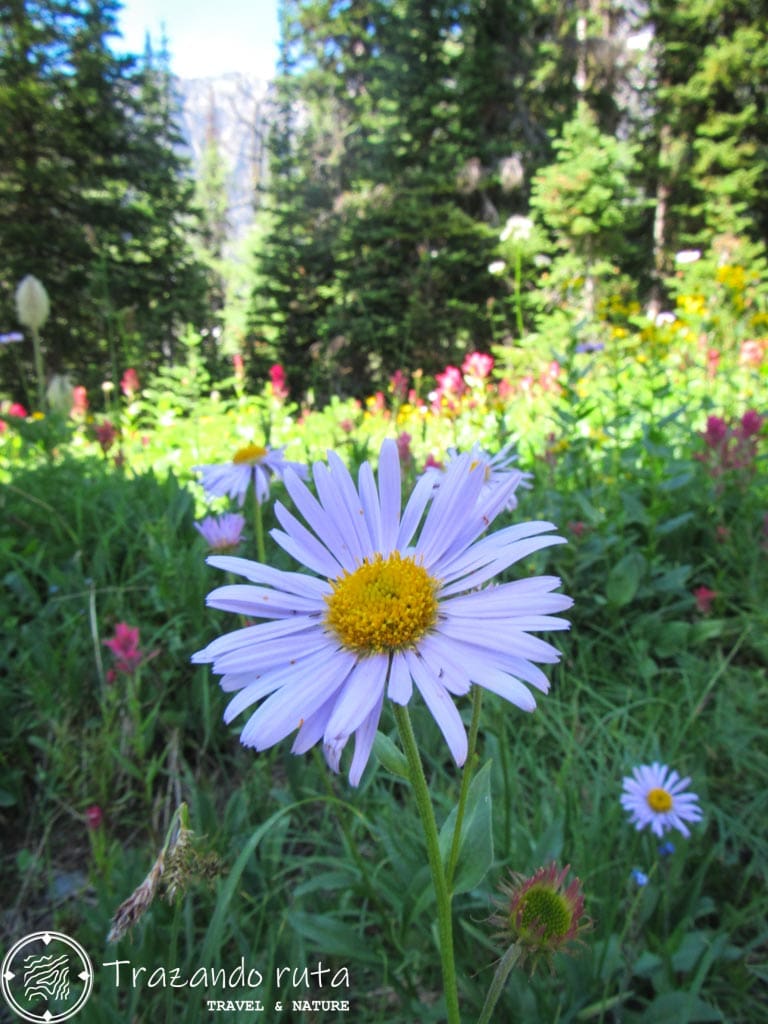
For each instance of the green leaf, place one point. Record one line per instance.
(624, 579)
(334, 936)
(690, 950)
(671, 638)
(476, 842)
(681, 1008)
(548, 845)
(675, 523)
(390, 755)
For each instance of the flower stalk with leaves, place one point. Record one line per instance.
(400, 599)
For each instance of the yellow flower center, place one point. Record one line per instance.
(251, 454)
(386, 604)
(544, 912)
(659, 800)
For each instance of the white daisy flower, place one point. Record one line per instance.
(253, 463)
(397, 600)
(655, 795)
(497, 469)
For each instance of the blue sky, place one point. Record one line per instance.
(205, 37)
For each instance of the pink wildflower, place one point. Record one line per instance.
(376, 403)
(12, 409)
(753, 351)
(704, 598)
(129, 383)
(398, 385)
(93, 817)
(239, 367)
(450, 381)
(106, 434)
(716, 430)
(751, 422)
(477, 366)
(79, 402)
(731, 446)
(125, 647)
(403, 443)
(279, 383)
(450, 387)
(713, 361)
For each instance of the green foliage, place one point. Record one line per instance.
(306, 870)
(588, 201)
(711, 101)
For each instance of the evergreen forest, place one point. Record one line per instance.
(403, 137)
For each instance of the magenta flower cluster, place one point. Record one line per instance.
(731, 445)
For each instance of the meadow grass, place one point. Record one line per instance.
(293, 867)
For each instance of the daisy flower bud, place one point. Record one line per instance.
(222, 533)
(540, 915)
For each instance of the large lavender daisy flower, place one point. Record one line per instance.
(398, 599)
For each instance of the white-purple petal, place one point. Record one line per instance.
(364, 737)
(441, 707)
(390, 495)
(262, 602)
(361, 693)
(287, 708)
(400, 682)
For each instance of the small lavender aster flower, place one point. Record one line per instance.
(392, 599)
(253, 463)
(655, 795)
(221, 533)
(497, 469)
(9, 339)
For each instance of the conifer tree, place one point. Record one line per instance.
(588, 199)
(711, 114)
(92, 197)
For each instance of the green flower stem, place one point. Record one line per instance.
(94, 624)
(518, 292)
(469, 767)
(258, 522)
(39, 371)
(505, 965)
(442, 893)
